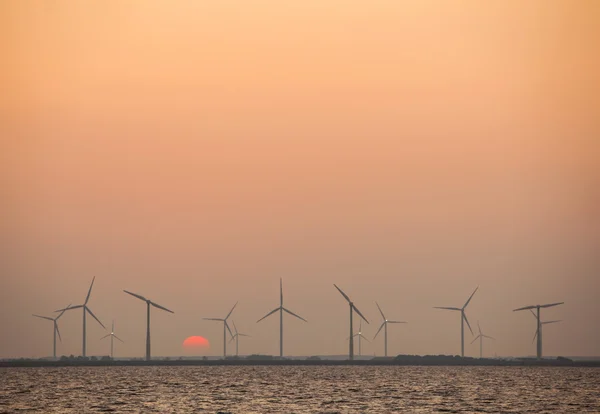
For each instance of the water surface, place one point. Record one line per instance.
(293, 389)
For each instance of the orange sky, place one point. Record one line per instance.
(195, 152)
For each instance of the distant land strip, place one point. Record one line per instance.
(401, 360)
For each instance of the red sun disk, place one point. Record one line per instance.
(196, 342)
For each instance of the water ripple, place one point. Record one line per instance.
(290, 389)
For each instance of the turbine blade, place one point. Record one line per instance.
(94, 316)
(214, 319)
(447, 308)
(365, 338)
(43, 317)
(235, 327)
(281, 291)
(241, 334)
(136, 295)
(57, 331)
(533, 313)
(551, 304)
(379, 330)
(361, 315)
(524, 308)
(156, 305)
(268, 314)
(105, 336)
(534, 336)
(489, 337)
(479, 327)
(343, 294)
(380, 311)
(293, 314)
(468, 324)
(470, 297)
(544, 323)
(396, 322)
(61, 312)
(69, 308)
(476, 338)
(227, 326)
(116, 337)
(112, 329)
(232, 338)
(89, 291)
(231, 311)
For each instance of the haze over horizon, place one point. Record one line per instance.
(196, 152)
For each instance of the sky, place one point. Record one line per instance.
(196, 152)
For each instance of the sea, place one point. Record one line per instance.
(300, 389)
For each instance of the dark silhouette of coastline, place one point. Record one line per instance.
(266, 360)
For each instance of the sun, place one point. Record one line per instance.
(196, 345)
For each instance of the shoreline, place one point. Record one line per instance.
(399, 361)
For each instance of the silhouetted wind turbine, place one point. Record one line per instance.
(539, 323)
(148, 303)
(539, 327)
(236, 336)
(225, 329)
(352, 308)
(480, 337)
(55, 329)
(360, 337)
(281, 309)
(463, 319)
(112, 336)
(85, 309)
(384, 325)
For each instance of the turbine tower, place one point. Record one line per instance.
(86, 309)
(236, 336)
(225, 329)
(463, 319)
(112, 336)
(55, 329)
(384, 325)
(360, 337)
(352, 308)
(480, 337)
(539, 323)
(148, 303)
(281, 309)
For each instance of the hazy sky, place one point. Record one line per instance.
(197, 151)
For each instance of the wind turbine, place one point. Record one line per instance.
(281, 309)
(352, 308)
(225, 329)
(55, 329)
(236, 336)
(85, 309)
(360, 336)
(463, 319)
(148, 303)
(112, 336)
(384, 325)
(480, 337)
(539, 323)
